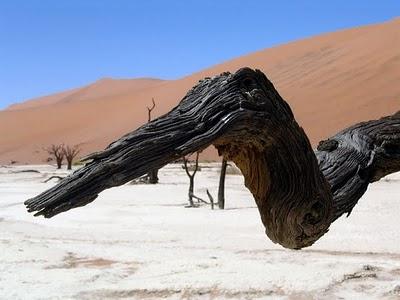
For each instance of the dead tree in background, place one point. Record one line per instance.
(70, 154)
(56, 151)
(150, 109)
(221, 186)
(153, 174)
(191, 178)
(298, 192)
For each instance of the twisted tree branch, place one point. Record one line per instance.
(299, 193)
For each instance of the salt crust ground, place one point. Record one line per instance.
(140, 242)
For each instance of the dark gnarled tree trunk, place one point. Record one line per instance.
(299, 193)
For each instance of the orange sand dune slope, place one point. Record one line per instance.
(330, 81)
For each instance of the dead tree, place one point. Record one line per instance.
(150, 109)
(191, 178)
(57, 151)
(221, 186)
(70, 153)
(299, 193)
(153, 174)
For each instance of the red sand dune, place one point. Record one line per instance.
(330, 81)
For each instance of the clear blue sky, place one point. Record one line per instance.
(52, 45)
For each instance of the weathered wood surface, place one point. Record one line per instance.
(299, 193)
(358, 156)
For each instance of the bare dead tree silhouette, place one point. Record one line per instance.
(299, 192)
(153, 174)
(70, 153)
(56, 151)
(150, 109)
(191, 177)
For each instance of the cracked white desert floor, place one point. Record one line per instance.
(139, 241)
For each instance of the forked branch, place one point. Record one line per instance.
(150, 109)
(191, 178)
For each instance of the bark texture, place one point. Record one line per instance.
(299, 193)
(358, 156)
